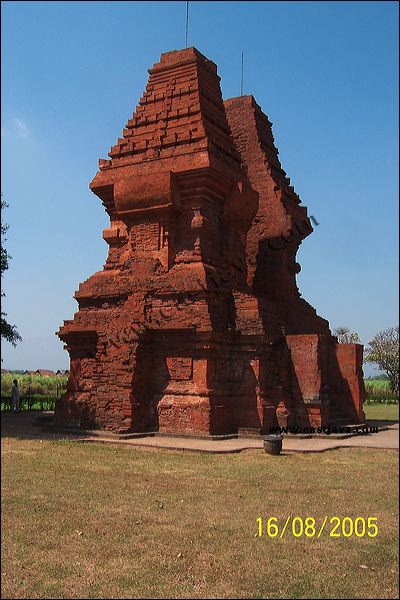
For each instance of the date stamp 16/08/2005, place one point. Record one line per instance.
(335, 527)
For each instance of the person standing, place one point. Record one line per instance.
(15, 399)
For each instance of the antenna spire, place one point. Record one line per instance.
(241, 79)
(187, 23)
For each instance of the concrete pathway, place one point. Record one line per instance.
(32, 425)
(388, 439)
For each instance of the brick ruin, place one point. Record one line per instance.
(195, 325)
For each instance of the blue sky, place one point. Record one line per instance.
(326, 74)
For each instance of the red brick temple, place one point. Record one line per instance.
(195, 325)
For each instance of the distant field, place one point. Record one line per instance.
(36, 391)
(34, 384)
(379, 392)
(37, 402)
(378, 383)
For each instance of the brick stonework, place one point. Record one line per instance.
(195, 324)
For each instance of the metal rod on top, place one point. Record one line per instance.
(187, 23)
(241, 79)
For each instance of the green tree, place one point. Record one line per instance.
(383, 350)
(8, 332)
(345, 336)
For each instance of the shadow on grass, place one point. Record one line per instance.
(31, 425)
(381, 422)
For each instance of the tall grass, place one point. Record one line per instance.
(379, 392)
(33, 385)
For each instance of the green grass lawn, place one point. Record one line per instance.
(382, 412)
(101, 521)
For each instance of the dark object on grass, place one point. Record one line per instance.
(273, 444)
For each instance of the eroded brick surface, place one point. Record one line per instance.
(195, 324)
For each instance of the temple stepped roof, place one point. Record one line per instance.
(180, 111)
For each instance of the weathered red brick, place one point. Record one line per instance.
(195, 324)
